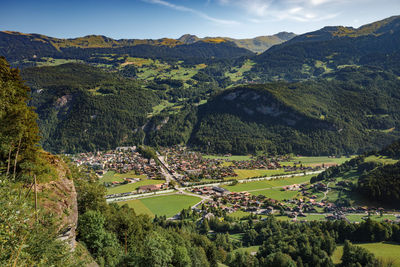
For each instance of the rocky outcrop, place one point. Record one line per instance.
(60, 201)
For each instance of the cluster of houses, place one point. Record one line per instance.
(221, 198)
(191, 165)
(120, 160)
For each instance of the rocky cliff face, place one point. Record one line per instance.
(61, 201)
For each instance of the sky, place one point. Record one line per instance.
(153, 19)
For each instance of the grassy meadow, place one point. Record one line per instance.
(131, 187)
(311, 161)
(112, 176)
(385, 251)
(267, 184)
(245, 173)
(168, 205)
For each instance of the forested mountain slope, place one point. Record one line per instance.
(347, 99)
(82, 108)
(326, 50)
(354, 111)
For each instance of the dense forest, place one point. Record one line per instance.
(82, 108)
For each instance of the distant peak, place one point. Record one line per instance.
(188, 39)
(285, 35)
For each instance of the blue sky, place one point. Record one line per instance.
(173, 18)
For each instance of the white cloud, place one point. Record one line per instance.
(191, 10)
(262, 11)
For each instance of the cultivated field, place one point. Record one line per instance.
(267, 184)
(162, 205)
(275, 193)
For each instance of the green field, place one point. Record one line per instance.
(112, 176)
(312, 217)
(245, 173)
(275, 194)
(55, 61)
(247, 249)
(237, 158)
(131, 187)
(236, 73)
(266, 184)
(381, 159)
(162, 205)
(160, 107)
(239, 214)
(138, 206)
(359, 218)
(237, 237)
(386, 251)
(315, 160)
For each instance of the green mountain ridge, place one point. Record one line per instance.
(27, 49)
(322, 117)
(346, 100)
(313, 54)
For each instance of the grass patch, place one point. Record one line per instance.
(230, 158)
(238, 237)
(160, 107)
(239, 214)
(275, 194)
(267, 184)
(312, 217)
(359, 218)
(236, 73)
(112, 176)
(308, 161)
(169, 205)
(247, 249)
(131, 187)
(138, 206)
(381, 159)
(386, 251)
(245, 173)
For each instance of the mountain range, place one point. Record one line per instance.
(331, 91)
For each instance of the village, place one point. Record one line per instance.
(298, 209)
(190, 166)
(177, 169)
